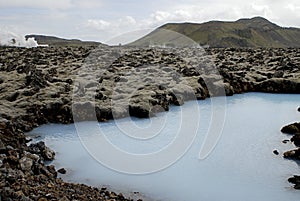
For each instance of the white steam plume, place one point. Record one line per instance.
(8, 38)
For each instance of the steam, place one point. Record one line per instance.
(8, 38)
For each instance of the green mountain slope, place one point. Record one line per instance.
(254, 32)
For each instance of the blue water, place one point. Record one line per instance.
(241, 166)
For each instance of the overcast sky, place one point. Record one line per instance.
(102, 20)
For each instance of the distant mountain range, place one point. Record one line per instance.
(254, 32)
(53, 41)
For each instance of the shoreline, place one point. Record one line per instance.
(293, 130)
(36, 86)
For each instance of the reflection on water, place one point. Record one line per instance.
(241, 167)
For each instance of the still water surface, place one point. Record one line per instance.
(241, 167)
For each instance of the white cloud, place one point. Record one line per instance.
(87, 4)
(160, 16)
(52, 4)
(183, 14)
(98, 24)
(127, 20)
(293, 7)
(263, 10)
(45, 4)
(113, 27)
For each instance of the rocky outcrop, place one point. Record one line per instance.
(292, 129)
(294, 154)
(296, 140)
(296, 181)
(44, 82)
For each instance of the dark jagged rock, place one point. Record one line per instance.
(293, 154)
(62, 171)
(36, 78)
(291, 129)
(276, 152)
(12, 97)
(141, 111)
(296, 181)
(296, 140)
(285, 141)
(41, 149)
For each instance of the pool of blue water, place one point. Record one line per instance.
(240, 164)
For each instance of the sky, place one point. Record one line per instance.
(103, 20)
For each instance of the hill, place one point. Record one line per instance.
(254, 32)
(53, 41)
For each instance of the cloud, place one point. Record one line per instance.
(98, 24)
(125, 23)
(292, 7)
(127, 20)
(44, 4)
(262, 10)
(160, 16)
(87, 4)
(52, 4)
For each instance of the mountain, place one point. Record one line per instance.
(53, 41)
(254, 32)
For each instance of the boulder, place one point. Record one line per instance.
(141, 110)
(285, 141)
(35, 78)
(177, 99)
(278, 74)
(2, 146)
(184, 91)
(26, 163)
(12, 97)
(279, 85)
(276, 152)
(291, 129)
(41, 149)
(3, 123)
(296, 181)
(293, 154)
(62, 171)
(296, 140)
(48, 154)
(84, 111)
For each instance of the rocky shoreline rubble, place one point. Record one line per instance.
(294, 130)
(63, 85)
